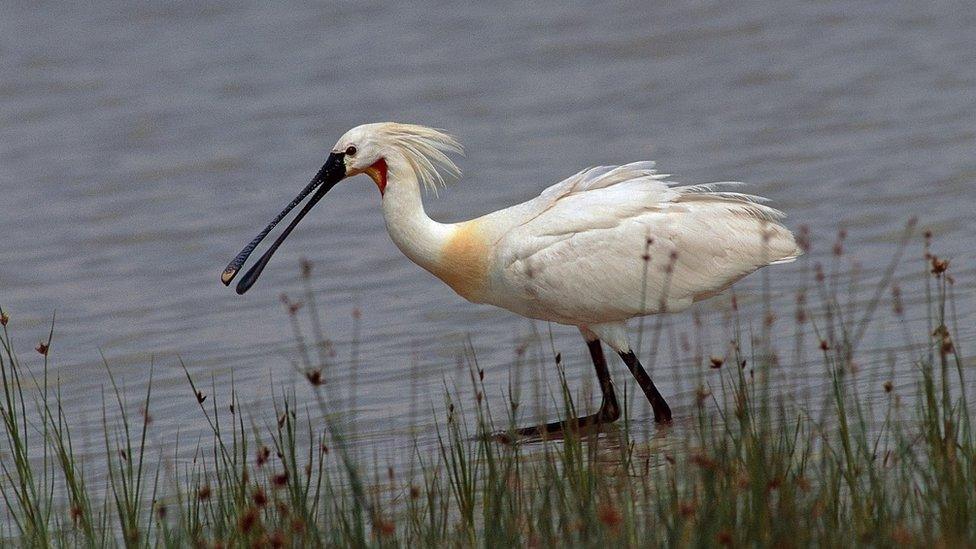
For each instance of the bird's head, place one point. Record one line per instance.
(369, 149)
(372, 148)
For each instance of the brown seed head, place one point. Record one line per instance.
(702, 394)
(609, 515)
(888, 386)
(715, 362)
(280, 480)
(939, 266)
(263, 455)
(723, 538)
(946, 347)
(203, 494)
(896, 302)
(804, 239)
(247, 520)
(41, 348)
(4, 318)
(291, 306)
(385, 527)
(201, 397)
(687, 508)
(277, 539)
(314, 377)
(414, 492)
(76, 513)
(945, 339)
(259, 497)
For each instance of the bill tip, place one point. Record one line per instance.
(228, 275)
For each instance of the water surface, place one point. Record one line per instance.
(141, 146)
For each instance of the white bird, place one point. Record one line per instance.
(603, 246)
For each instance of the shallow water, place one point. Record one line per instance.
(141, 146)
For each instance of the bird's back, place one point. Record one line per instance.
(614, 242)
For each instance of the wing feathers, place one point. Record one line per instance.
(574, 254)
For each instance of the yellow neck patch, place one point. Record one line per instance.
(463, 262)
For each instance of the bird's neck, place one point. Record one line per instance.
(418, 236)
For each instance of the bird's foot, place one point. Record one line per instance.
(582, 426)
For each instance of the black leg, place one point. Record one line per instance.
(609, 409)
(608, 413)
(662, 412)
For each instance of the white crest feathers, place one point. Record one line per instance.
(425, 149)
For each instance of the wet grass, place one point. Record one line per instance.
(748, 466)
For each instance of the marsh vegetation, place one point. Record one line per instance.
(885, 461)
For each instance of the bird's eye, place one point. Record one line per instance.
(351, 150)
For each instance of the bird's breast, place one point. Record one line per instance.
(464, 260)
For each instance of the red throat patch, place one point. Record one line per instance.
(378, 172)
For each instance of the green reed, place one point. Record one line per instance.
(751, 467)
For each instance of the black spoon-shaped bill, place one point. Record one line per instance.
(332, 172)
(235, 265)
(255, 271)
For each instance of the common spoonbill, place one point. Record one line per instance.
(603, 246)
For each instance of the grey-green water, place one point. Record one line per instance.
(142, 145)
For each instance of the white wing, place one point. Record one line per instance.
(615, 242)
